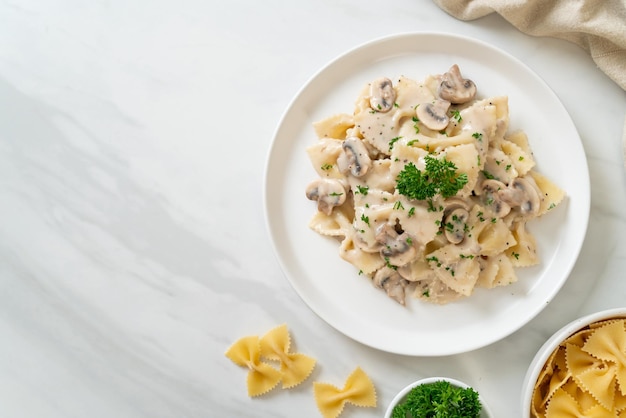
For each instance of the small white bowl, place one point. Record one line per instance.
(552, 343)
(484, 412)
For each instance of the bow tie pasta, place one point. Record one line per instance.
(426, 190)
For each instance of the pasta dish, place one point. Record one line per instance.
(426, 190)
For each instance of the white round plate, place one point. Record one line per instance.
(332, 288)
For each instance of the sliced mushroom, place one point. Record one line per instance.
(397, 249)
(454, 202)
(354, 157)
(382, 95)
(490, 192)
(455, 225)
(456, 89)
(328, 193)
(522, 195)
(392, 283)
(434, 115)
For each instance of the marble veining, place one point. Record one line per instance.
(133, 245)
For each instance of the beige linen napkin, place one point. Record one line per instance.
(598, 26)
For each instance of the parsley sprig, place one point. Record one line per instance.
(439, 176)
(439, 399)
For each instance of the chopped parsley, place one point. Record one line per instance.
(326, 167)
(393, 141)
(456, 115)
(362, 190)
(398, 206)
(439, 399)
(415, 125)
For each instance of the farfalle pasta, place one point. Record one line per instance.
(294, 367)
(585, 376)
(426, 189)
(358, 390)
(262, 377)
(257, 354)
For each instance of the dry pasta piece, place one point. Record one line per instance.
(600, 383)
(608, 342)
(584, 399)
(563, 405)
(246, 352)
(358, 390)
(295, 367)
(583, 377)
(577, 360)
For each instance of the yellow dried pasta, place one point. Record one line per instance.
(246, 352)
(358, 390)
(586, 375)
(295, 367)
(254, 353)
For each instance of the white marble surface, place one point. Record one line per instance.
(133, 249)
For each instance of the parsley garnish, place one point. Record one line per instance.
(398, 206)
(362, 190)
(365, 219)
(415, 125)
(393, 141)
(478, 136)
(456, 115)
(440, 176)
(439, 399)
(326, 166)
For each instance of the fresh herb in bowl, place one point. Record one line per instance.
(438, 399)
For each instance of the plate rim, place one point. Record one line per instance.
(584, 206)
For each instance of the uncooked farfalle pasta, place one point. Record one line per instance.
(358, 390)
(426, 189)
(257, 354)
(585, 376)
